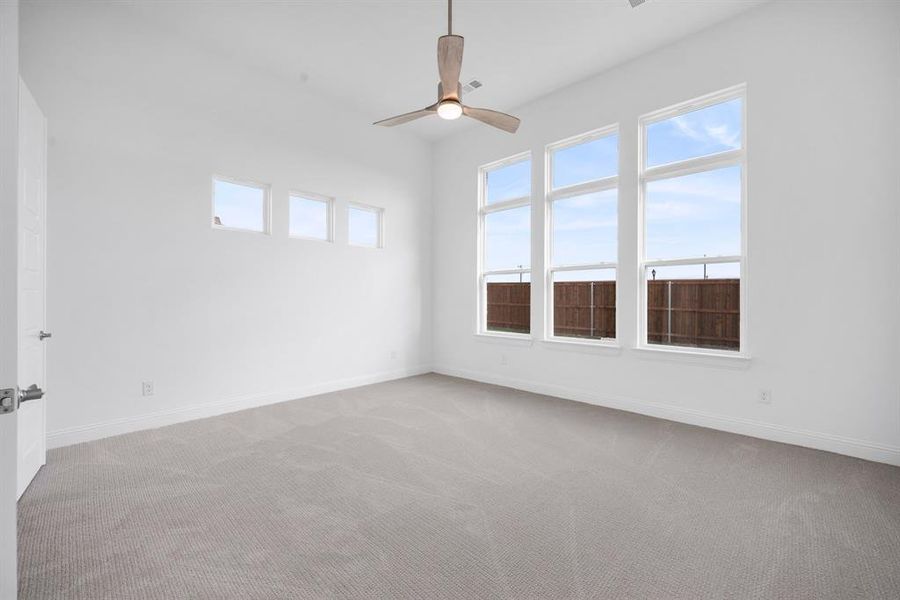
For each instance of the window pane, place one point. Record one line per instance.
(507, 239)
(239, 206)
(694, 216)
(584, 304)
(508, 302)
(588, 161)
(506, 183)
(364, 227)
(309, 218)
(710, 130)
(584, 229)
(697, 306)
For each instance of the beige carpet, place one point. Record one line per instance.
(433, 487)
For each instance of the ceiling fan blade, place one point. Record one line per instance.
(407, 117)
(493, 118)
(450, 53)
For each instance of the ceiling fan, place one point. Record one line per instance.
(449, 104)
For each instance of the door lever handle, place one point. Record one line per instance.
(44, 335)
(11, 398)
(32, 392)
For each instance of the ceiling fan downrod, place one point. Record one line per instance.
(449, 104)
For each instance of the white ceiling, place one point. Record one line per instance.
(378, 57)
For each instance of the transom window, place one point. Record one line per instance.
(504, 219)
(583, 222)
(311, 217)
(364, 224)
(692, 191)
(240, 205)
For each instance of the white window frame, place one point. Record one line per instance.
(552, 195)
(691, 166)
(329, 212)
(379, 214)
(485, 209)
(267, 203)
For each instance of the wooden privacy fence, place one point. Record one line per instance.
(509, 307)
(584, 309)
(681, 312)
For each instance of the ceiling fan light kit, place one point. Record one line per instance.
(449, 110)
(449, 105)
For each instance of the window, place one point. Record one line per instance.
(240, 205)
(583, 223)
(311, 217)
(693, 205)
(504, 227)
(364, 226)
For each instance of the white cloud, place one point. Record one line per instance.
(707, 133)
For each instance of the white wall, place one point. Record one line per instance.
(824, 261)
(140, 287)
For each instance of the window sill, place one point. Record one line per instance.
(577, 345)
(515, 339)
(732, 360)
(239, 229)
(310, 239)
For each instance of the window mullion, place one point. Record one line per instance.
(691, 260)
(693, 166)
(506, 205)
(589, 187)
(584, 267)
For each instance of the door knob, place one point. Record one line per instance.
(44, 335)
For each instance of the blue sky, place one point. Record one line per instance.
(363, 227)
(308, 218)
(692, 216)
(239, 206)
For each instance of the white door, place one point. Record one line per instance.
(9, 227)
(32, 451)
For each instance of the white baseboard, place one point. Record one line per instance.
(95, 431)
(768, 431)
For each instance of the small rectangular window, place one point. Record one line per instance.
(364, 226)
(310, 217)
(504, 230)
(582, 210)
(240, 205)
(694, 228)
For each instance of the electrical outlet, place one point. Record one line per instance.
(147, 388)
(503, 360)
(765, 396)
